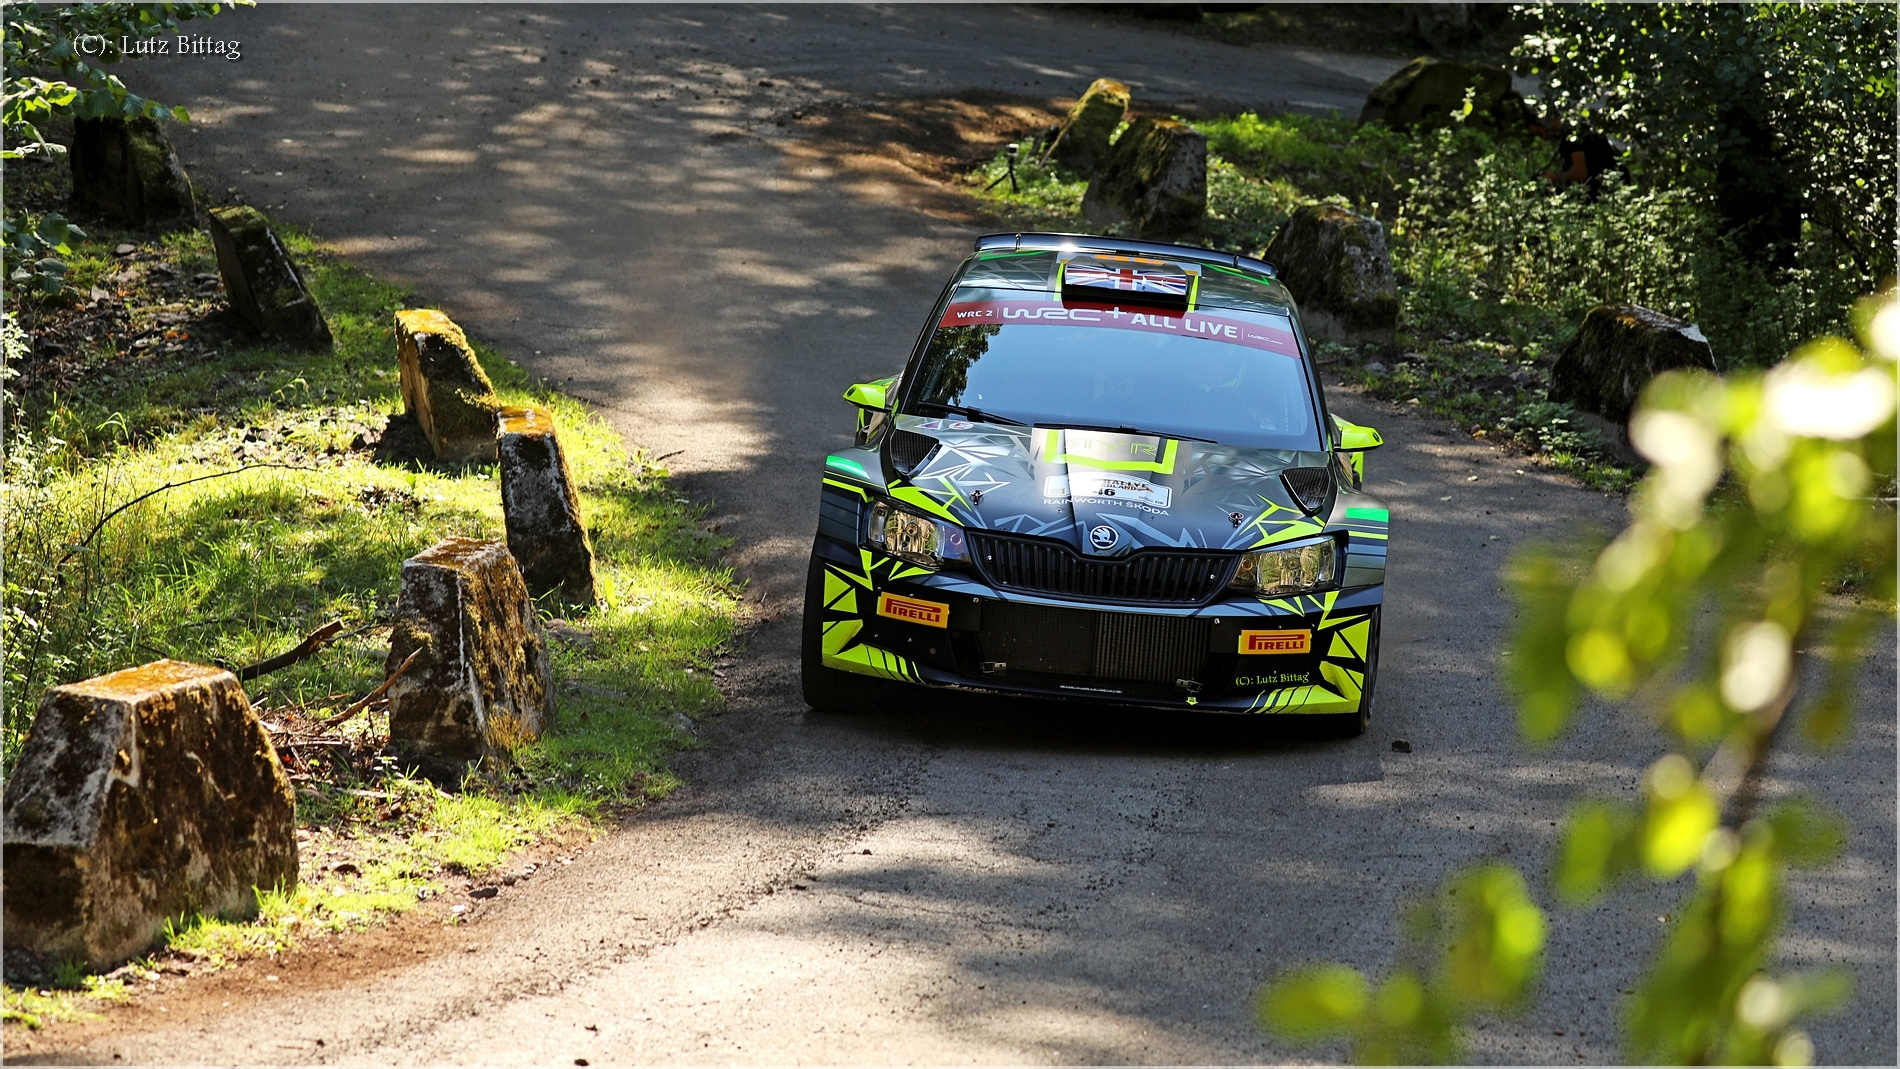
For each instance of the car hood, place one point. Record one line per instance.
(1103, 493)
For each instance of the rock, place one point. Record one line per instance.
(1154, 179)
(261, 282)
(1335, 264)
(143, 795)
(1439, 26)
(445, 388)
(126, 170)
(1082, 141)
(1425, 93)
(568, 635)
(1617, 350)
(481, 685)
(542, 510)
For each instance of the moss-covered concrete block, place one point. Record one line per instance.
(542, 510)
(1426, 93)
(445, 388)
(1154, 180)
(1616, 351)
(261, 281)
(481, 684)
(1336, 265)
(142, 795)
(1081, 143)
(127, 171)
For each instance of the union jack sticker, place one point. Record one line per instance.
(1127, 275)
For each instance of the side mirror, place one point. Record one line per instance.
(1350, 442)
(871, 395)
(1353, 438)
(872, 400)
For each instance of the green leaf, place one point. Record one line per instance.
(1497, 937)
(1598, 847)
(1806, 833)
(1319, 1002)
(1677, 823)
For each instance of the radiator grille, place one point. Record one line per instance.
(1104, 646)
(1154, 576)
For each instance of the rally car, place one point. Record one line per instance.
(1107, 472)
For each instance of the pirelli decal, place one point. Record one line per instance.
(1273, 641)
(914, 611)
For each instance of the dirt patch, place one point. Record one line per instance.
(922, 146)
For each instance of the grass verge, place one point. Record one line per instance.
(139, 378)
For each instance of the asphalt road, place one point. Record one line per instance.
(602, 192)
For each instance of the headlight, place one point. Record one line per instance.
(1297, 569)
(914, 537)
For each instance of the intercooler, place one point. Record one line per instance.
(1107, 646)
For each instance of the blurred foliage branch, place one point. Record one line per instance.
(1767, 491)
(57, 59)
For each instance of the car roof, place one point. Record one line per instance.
(1099, 243)
(1235, 282)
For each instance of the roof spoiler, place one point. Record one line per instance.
(1096, 243)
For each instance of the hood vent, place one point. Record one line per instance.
(1308, 487)
(909, 450)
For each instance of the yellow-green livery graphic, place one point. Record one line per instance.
(1107, 473)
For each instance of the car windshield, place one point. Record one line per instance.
(1230, 376)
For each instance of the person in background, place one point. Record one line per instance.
(1583, 155)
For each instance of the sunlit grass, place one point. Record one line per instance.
(77, 1001)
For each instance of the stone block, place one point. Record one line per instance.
(1336, 265)
(1154, 180)
(542, 509)
(1081, 142)
(445, 388)
(126, 171)
(1616, 351)
(481, 684)
(142, 795)
(1426, 92)
(261, 280)
(1441, 26)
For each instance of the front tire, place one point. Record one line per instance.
(826, 689)
(1353, 725)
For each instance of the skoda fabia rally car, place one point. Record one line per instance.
(1107, 472)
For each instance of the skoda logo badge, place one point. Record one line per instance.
(1103, 538)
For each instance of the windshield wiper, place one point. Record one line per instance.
(973, 413)
(1135, 431)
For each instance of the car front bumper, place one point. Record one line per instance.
(890, 619)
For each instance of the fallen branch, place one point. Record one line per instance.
(59, 566)
(307, 648)
(107, 518)
(325, 725)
